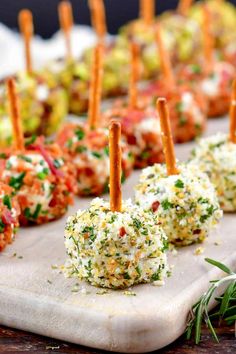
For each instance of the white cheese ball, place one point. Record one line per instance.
(216, 156)
(186, 204)
(115, 249)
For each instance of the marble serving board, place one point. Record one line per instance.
(36, 297)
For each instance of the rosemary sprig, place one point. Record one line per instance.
(227, 305)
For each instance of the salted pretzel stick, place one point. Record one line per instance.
(184, 6)
(167, 139)
(232, 114)
(25, 20)
(208, 40)
(147, 11)
(66, 23)
(134, 75)
(115, 166)
(15, 115)
(95, 92)
(98, 18)
(166, 67)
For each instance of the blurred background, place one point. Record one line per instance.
(45, 13)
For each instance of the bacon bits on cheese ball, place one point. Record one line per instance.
(115, 249)
(89, 152)
(43, 181)
(9, 215)
(186, 203)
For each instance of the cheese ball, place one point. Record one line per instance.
(88, 150)
(141, 130)
(216, 88)
(42, 108)
(75, 75)
(115, 249)
(9, 215)
(187, 109)
(42, 180)
(223, 19)
(186, 204)
(216, 156)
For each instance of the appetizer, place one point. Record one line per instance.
(86, 143)
(182, 197)
(216, 156)
(117, 244)
(42, 180)
(187, 106)
(139, 125)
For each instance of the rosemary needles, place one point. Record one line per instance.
(225, 311)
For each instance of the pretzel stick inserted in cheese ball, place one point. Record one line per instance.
(26, 28)
(66, 23)
(96, 87)
(147, 11)
(115, 166)
(98, 18)
(184, 6)
(134, 75)
(167, 140)
(15, 115)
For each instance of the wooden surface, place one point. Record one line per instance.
(15, 341)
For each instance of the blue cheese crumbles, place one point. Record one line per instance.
(216, 156)
(186, 204)
(115, 249)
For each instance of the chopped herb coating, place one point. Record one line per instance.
(103, 255)
(185, 215)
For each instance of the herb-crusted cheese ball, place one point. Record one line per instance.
(115, 249)
(216, 156)
(186, 204)
(89, 152)
(9, 215)
(42, 180)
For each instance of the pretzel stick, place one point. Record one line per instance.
(166, 67)
(208, 40)
(134, 75)
(232, 114)
(15, 115)
(66, 23)
(115, 166)
(147, 11)
(98, 18)
(184, 6)
(25, 20)
(95, 92)
(167, 139)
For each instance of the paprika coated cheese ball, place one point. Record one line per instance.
(186, 203)
(89, 152)
(44, 183)
(115, 249)
(9, 215)
(141, 130)
(216, 156)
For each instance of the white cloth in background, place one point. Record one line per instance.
(12, 52)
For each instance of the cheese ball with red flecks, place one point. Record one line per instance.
(89, 152)
(42, 180)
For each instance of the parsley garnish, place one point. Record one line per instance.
(96, 154)
(80, 134)
(30, 140)
(166, 204)
(16, 182)
(2, 225)
(179, 183)
(7, 201)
